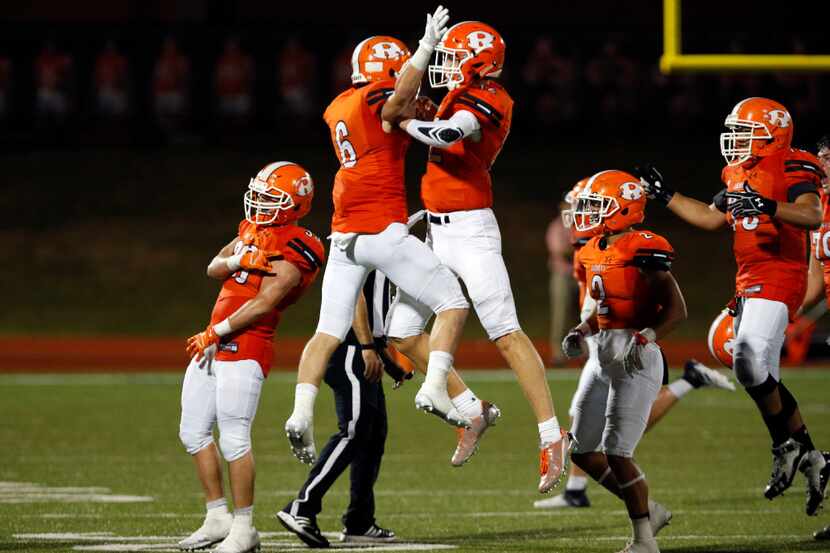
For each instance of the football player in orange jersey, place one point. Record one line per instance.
(770, 201)
(695, 374)
(267, 267)
(637, 302)
(369, 227)
(465, 137)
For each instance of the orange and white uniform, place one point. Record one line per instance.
(299, 247)
(771, 254)
(821, 240)
(610, 408)
(369, 192)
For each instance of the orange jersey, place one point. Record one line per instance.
(821, 240)
(458, 177)
(299, 247)
(369, 192)
(772, 254)
(615, 278)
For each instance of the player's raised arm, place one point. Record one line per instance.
(409, 81)
(706, 216)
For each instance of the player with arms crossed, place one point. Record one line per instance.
(637, 302)
(770, 201)
(267, 267)
(369, 227)
(466, 136)
(695, 374)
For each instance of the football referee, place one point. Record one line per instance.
(354, 373)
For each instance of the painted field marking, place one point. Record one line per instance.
(31, 492)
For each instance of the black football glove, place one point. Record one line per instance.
(749, 203)
(654, 184)
(720, 201)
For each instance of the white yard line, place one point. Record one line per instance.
(30, 492)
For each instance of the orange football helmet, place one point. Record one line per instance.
(758, 127)
(722, 338)
(469, 50)
(378, 58)
(281, 193)
(610, 201)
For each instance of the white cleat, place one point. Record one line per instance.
(643, 546)
(468, 438)
(300, 433)
(698, 375)
(658, 516)
(214, 529)
(553, 461)
(816, 470)
(438, 402)
(242, 539)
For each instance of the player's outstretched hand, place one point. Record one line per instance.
(435, 28)
(259, 260)
(653, 183)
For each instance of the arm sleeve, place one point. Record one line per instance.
(803, 174)
(444, 132)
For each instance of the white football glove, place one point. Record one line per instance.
(435, 28)
(572, 345)
(630, 356)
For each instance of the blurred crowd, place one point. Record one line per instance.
(559, 85)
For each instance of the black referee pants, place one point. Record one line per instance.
(359, 443)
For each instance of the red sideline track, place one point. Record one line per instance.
(26, 354)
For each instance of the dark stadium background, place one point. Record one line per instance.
(107, 226)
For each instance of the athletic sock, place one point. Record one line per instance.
(304, 396)
(576, 483)
(641, 527)
(440, 363)
(549, 431)
(468, 404)
(217, 507)
(243, 516)
(680, 387)
(803, 437)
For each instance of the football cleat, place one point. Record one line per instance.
(643, 546)
(816, 470)
(468, 438)
(823, 534)
(300, 433)
(438, 403)
(785, 460)
(305, 528)
(214, 529)
(241, 539)
(553, 460)
(658, 516)
(698, 375)
(375, 534)
(571, 498)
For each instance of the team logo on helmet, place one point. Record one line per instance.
(305, 186)
(729, 346)
(631, 191)
(387, 51)
(779, 118)
(479, 40)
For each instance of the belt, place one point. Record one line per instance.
(438, 219)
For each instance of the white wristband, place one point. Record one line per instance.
(584, 328)
(223, 328)
(648, 334)
(420, 59)
(234, 262)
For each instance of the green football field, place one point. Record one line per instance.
(93, 463)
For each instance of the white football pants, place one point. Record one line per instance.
(759, 337)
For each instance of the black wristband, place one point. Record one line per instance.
(364, 347)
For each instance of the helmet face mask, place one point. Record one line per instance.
(737, 145)
(592, 209)
(446, 71)
(264, 203)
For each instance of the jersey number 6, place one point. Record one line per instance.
(599, 287)
(348, 157)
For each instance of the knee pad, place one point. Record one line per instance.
(234, 441)
(193, 440)
(747, 363)
(788, 402)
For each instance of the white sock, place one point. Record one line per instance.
(217, 507)
(243, 516)
(642, 529)
(549, 431)
(576, 483)
(468, 404)
(304, 396)
(440, 363)
(680, 387)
